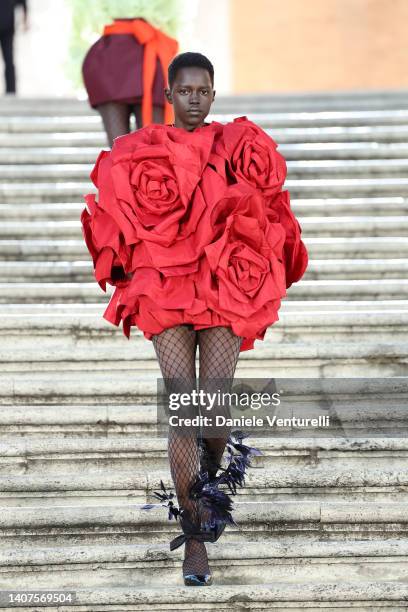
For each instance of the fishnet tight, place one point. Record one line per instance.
(218, 355)
(116, 118)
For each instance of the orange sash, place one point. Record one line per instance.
(155, 44)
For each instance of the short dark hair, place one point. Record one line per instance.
(186, 60)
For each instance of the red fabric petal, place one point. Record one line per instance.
(295, 252)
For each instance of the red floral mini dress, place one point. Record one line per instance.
(202, 222)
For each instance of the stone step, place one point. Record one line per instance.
(92, 121)
(38, 382)
(128, 523)
(339, 134)
(357, 187)
(44, 192)
(329, 118)
(305, 289)
(363, 359)
(378, 206)
(55, 472)
(348, 225)
(311, 151)
(321, 226)
(16, 141)
(348, 168)
(329, 150)
(354, 417)
(60, 271)
(69, 191)
(128, 483)
(326, 169)
(285, 559)
(346, 247)
(144, 389)
(309, 136)
(322, 269)
(73, 336)
(350, 420)
(70, 154)
(340, 100)
(71, 211)
(381, 98)
(46, 106)
(46, 172)
(36, 379)
(29, 124)
(323, 596)
(358, 429)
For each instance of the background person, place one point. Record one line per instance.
(124, 73)
(7, 28)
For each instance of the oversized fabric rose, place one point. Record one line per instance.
(147, 198)
(243, 271)
(147, 181)
(251, 156)
(238, 199)
(195, 231)
(295, 253)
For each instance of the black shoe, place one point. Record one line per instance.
(192, 531)
(197, 579)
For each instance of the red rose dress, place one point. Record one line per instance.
(202, 222)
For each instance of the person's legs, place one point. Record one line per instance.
(6, 43)
(115, 117)
(219, 350)
(175, 349)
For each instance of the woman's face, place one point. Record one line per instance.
(191, 95)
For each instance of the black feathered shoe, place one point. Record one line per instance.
(191, 531)
(215, 505)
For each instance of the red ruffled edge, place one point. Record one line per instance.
(110, 255)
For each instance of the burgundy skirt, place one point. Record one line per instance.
(113, 72)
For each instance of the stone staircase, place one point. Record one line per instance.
(322, 521)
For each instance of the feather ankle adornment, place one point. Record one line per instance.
(167, 498)
(234, 474)
(206, 489)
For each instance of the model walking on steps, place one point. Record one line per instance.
(193, 230)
